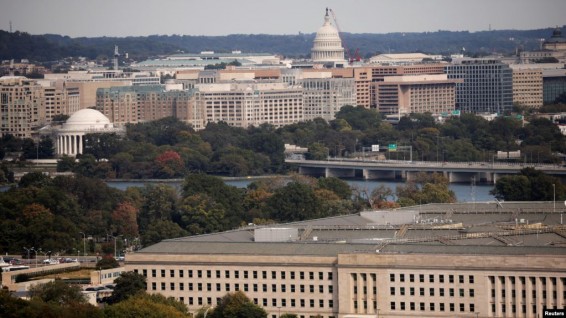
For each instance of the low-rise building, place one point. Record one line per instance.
(475, 259)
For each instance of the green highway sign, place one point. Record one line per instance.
(392, 147)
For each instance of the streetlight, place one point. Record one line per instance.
(35, 251)
(553, 198)
(27, 250)
(84, 245)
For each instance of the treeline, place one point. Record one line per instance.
(51, 213)
(169, 148)
(51, 47)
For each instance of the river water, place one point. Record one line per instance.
(464, 192)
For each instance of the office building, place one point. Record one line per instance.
(554, 84)
(250, 104)
(407, 94)
(20, 106)
(27, 104)
(527, 86)
(438, 260)
(487, 85)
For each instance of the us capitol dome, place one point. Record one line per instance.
(327, 46)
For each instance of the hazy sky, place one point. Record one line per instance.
(77, 18)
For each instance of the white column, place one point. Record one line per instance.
(65, 145)
(80, 143)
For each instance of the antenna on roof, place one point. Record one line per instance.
(116, 55)
(498, 203)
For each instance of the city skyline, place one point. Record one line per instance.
(222, 17)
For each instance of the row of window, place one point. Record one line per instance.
(431, 292)
(255, 287)
(431, 278)
(237, 273)
(524, 294)
(200, 301)
(412, 306)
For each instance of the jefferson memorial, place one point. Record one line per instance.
(69, 137)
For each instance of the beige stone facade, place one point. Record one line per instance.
(468, 263)
(408, 94)
(527, 87)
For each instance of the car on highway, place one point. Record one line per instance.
(51, 261)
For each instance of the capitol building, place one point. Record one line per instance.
(327, 48)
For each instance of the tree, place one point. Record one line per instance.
(294, 202)
(201, 214)
(66, 163)
(160, 230)
(339, 187)
(229, 197)
(160, 204)
(237, 305)
(124, 219)
(426, 188)
(107, 262)
(128, 284)
(149, 306)
(57, 292)
(36, 179)
(169, 165)
(529, 185)
(317, 151)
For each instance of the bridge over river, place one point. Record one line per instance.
(481, 172)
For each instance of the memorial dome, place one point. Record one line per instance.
(87, 118)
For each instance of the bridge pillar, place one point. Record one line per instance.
(313, 172)
(369, 174)
(340, 173)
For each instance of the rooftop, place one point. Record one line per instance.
(491, 228)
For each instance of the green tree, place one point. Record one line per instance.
(201, 214)
(237, 305)
(65, 164)
(529, 185)
(160, 203)
(294, 202)
(149, 306)
(107, 262)
(128, 284)
(339, 187)
(160, 230)
(57, 292)
(317, 151)
(229, 197)
(359, 118)
(426, 188)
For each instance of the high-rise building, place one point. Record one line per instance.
(20, 106)
(26, 104)
(487, 85)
